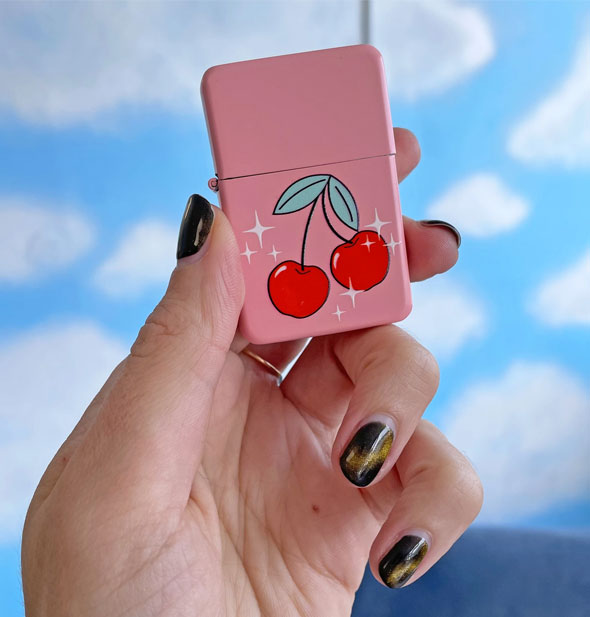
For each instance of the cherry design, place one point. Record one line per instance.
(300, 290)
(296, 290)
(362, 262)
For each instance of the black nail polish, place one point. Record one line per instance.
(452, 228)
(402, 560)
(365, 454)
(195, 227)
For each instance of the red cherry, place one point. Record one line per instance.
(296, 290)
(362, 262)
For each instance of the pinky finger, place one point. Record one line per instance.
(441, 496)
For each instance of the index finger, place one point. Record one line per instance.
(407, 154)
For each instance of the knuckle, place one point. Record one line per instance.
(224, 300)
(454, 471)
(392, 351)
(169, 320)
(466, 485)
(231, 280)
(424, 368)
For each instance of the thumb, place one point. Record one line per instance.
(156, 415)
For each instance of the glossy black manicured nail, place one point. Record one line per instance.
(364, 456)
(195, 227)
(402, 560)
(452, 228)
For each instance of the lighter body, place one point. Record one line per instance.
(305, 168)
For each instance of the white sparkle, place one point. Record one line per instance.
(378, 223)
(352, 292)
(258, 229)
(367, 243)
(338, 312)
(248, 253)
(274, 253)
(392, 244)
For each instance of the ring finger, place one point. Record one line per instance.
(441, 495)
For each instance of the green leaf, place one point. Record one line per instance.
(343, 204)
(300, 194)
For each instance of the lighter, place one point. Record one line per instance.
(305, 168)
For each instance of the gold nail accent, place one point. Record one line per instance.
(365, 454)
(402, 560)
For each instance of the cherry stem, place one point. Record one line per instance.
(315, 201)
(327, 219)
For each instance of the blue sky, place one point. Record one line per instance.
(102, 139)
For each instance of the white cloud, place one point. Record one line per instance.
(445, 316)
(37, 238)
(564, 299)
(49, 375)
(93, 57)
(480, 205)
(144, 259)
(557, 130)
(429, 46)
(528, 435)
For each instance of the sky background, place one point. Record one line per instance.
(102, 139)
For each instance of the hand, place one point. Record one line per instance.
(195, 485)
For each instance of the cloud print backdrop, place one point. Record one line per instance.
(102, 139)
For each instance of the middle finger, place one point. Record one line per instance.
(394, 378)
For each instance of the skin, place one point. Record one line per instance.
(195, 485)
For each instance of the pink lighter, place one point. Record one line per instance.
(304, 157)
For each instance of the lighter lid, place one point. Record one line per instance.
(298, 110)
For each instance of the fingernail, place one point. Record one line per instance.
(452, 228)
(366, 452)
(195, 227)
(400, 563)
